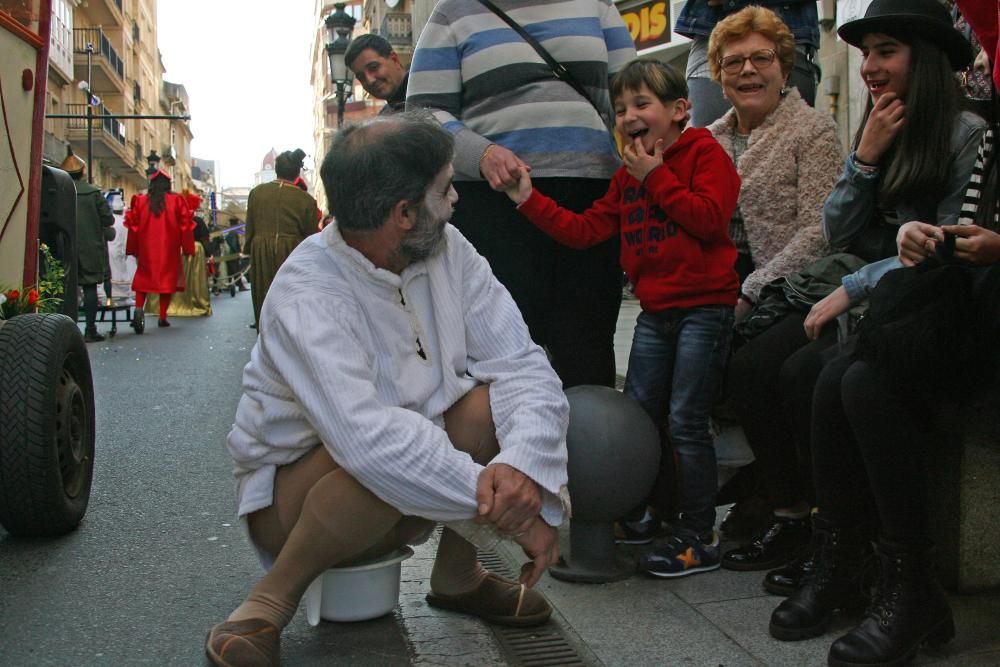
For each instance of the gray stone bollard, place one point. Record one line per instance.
(614, 455)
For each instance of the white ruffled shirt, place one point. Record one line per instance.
(338, 362)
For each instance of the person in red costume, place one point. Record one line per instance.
(160, 227)
(984, 19)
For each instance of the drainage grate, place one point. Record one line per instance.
(491, 561)
(544, 646)
(538, 647)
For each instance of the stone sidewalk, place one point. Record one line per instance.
(716, 618)
(710, 619)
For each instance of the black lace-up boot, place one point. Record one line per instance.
(835, 583)
(786, 579)
(908, 609)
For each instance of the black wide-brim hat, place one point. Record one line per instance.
(927, 18)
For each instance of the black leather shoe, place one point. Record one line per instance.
(786, 579)
(91, 336)
(163, 323)
(746, 518)
(776, 546)
(834, 584)
(908, 610)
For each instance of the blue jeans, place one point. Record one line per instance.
(676, 365)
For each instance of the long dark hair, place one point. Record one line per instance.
(912, 168)
(158, 189)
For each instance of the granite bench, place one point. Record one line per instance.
(965, 494)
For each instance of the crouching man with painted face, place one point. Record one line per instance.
(393, 385)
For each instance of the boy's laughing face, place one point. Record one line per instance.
(640, 113)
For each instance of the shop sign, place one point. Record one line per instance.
(648, 23)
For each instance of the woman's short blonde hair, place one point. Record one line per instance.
(745, 22)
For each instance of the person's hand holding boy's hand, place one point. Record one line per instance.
(521, 189)
(500, 166)
(638, 162)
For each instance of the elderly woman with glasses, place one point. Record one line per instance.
(788, 157)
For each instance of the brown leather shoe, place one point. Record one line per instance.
(252, 642)
(499, 601)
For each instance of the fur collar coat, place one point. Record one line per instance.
(790, 165)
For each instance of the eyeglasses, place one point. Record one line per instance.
(760, 59)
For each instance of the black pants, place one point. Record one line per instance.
(870, 444)
(90, 305)
(569, 298)
(770, 382)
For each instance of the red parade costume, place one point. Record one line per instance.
(157, 242)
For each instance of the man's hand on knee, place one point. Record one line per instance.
(507, 498)
(541, 544)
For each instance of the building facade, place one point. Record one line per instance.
(266, 173)
(106, 51)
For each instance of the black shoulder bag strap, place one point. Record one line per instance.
(558, 69)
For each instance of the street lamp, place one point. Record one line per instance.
(154, 162)
(92, 101)
(339, 27)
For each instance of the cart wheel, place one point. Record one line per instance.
(47, 418)
(139, 321)
(232, 290)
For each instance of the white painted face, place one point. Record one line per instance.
(426, 238)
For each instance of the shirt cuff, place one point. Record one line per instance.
(858, 170)
(856, 290)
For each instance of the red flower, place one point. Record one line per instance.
(13, 295)
(32, 296)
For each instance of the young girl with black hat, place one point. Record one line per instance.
(913, 154)
(868, 434)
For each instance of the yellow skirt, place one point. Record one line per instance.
(194, 301)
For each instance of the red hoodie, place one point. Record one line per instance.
(675, 245)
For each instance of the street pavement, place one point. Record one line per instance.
(159, 557)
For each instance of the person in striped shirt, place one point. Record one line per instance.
(508, 111)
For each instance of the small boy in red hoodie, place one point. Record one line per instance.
(671, 202)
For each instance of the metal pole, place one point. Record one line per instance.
(90, 115)
(340, 104)
(99, 116)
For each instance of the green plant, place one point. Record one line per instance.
(50, 281)
(46, 298)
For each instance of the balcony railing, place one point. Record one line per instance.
(397, 28)
(102, 47)
(112, 126)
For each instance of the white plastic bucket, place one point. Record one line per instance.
(356, 593)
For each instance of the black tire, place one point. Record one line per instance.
(232, 290)
(46, 425)
(138, 321)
